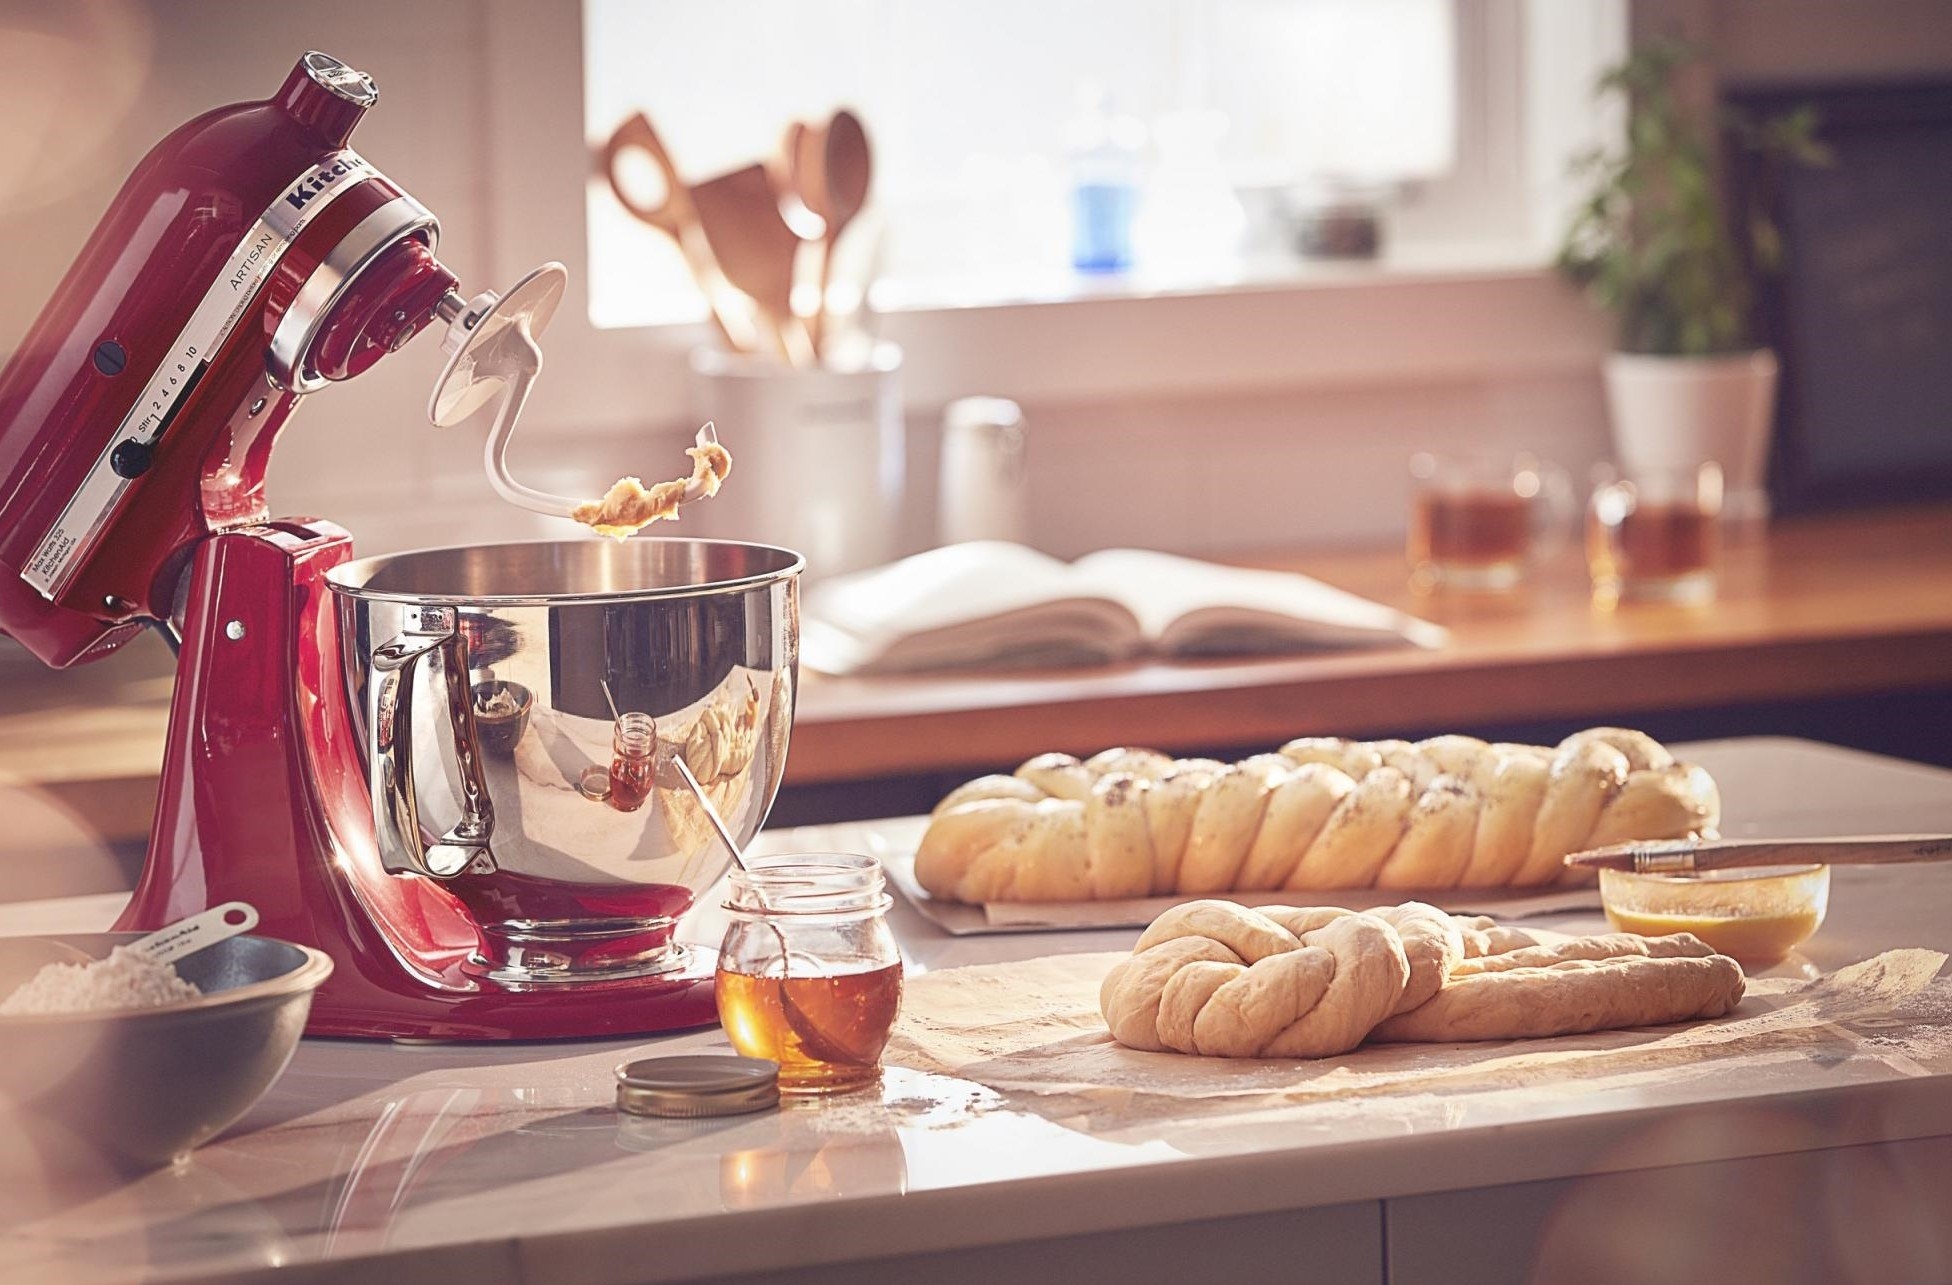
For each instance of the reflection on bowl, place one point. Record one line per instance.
(501, 714)
(138, 1088)
(1755, 915)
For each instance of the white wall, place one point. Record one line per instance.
(365, 445)
(1268, 420)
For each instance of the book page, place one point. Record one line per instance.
(1187, 605)
(976, 603)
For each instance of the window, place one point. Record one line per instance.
(967, 106)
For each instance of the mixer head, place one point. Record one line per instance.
(252, 259)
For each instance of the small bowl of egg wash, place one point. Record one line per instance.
(1755, 915)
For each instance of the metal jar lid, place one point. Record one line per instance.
(699, 1085)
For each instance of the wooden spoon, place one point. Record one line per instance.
(755, 249)
(783, 167)
(836, 168)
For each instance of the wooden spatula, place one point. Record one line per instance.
(674, 215)
(754, 248)
(783, 166)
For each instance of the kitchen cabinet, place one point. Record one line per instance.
(1870, 1215)
(1337, 1245)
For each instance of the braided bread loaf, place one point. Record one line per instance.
(1448, 812)
(1221, 980)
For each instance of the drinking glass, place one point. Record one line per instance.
(1655, 535)
(1475, 523)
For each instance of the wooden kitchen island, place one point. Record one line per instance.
(1819, 609)
(1827, 1161)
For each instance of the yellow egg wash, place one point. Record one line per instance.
(1755, 941)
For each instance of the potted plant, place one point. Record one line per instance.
(1653, 243)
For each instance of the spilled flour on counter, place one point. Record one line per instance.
(126, 979)
(1033, 1028)
(1915, 1029)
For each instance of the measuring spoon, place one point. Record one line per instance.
(22, 957)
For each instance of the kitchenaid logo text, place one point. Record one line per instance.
(320, 179)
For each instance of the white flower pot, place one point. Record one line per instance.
(1682, 412)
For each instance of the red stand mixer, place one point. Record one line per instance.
(403, 761)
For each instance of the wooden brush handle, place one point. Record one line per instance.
(1722, 854)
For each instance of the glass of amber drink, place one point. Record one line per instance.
(1656, 535)
(1476, 523)
(809, 974)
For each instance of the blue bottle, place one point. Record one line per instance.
(1105, 171)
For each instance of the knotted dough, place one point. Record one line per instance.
(1221, 980)
(1452, 811)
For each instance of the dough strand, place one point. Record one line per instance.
(1218, 979)
(629, 506)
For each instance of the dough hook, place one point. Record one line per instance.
(492, 350)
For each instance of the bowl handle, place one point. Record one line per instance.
(389, 751)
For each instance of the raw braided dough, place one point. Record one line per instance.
(1220, 980)
(1452, 811)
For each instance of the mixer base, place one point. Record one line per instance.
(588, 1010)
(535, 964)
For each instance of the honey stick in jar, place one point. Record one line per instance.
(809, 974)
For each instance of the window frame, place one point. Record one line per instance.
(1493, 311)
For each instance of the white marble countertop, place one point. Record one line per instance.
(496, 1163)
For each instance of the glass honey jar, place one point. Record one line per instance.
(633, 762)
(809, 974)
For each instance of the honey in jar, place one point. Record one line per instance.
(633, 761)
(1466, 528)
(826, 1032)
(809, 974)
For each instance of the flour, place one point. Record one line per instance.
(124, 980)
(1916, 1027)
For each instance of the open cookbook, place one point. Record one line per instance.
(989, 603)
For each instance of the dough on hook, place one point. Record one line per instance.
(493, 357)
(629, 506)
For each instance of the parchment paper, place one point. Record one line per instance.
(1033, 1028)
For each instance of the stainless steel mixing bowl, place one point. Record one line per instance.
(577, 847)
